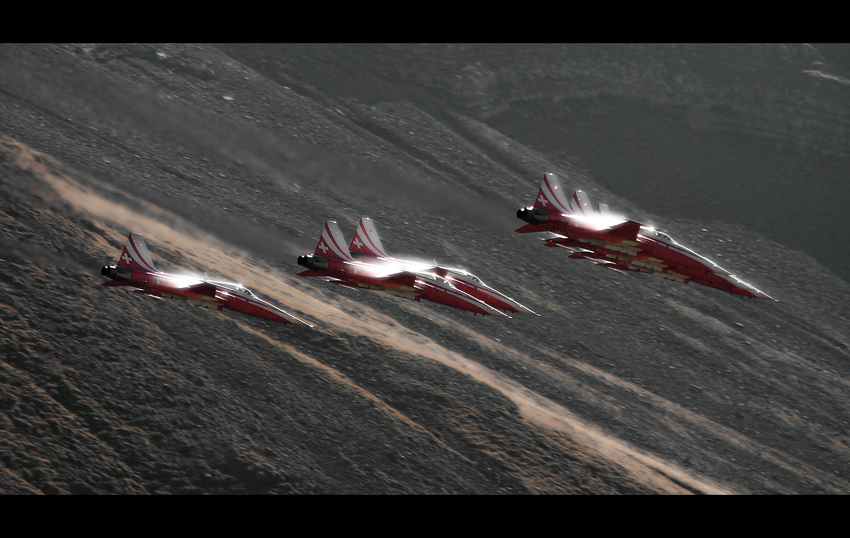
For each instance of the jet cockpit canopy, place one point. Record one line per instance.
(648, 231)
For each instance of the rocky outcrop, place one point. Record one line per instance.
(790, 94)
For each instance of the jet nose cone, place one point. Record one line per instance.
(762, 295)
(487, 309)
(499, 300)
(758, 294)
(295, 321)
(282, 316)
(520, 309)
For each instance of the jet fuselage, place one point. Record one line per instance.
(393, 279)
(614, 242)
(197, 292)
(366, 246)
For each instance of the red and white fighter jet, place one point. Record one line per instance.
(615, 242)
(367, 244)
(136, 269)
(333, 262)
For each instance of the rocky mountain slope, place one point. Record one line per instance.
(229, 158)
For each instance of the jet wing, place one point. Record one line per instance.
(203, 288)
(402, 278)
(385, 273)
(608, 265)
(626, 230)
(376, 275)
(148, 293)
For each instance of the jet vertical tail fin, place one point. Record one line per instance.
(332, 243)
(551, 197)
(366, 240)
(136, 254)
(580, 204)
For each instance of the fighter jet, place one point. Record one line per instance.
(366, 245)
(617, 243)
(136, 269)
(333, 262)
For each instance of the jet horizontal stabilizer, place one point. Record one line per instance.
(531, 228)
(310, 272)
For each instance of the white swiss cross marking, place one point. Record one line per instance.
(542, 200)
(126, 258)
(323, 246)
(357, 242)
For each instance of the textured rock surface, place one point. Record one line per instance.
(230, 158)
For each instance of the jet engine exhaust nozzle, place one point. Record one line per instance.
(116, 273)
(313, 262)
(532, 215)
